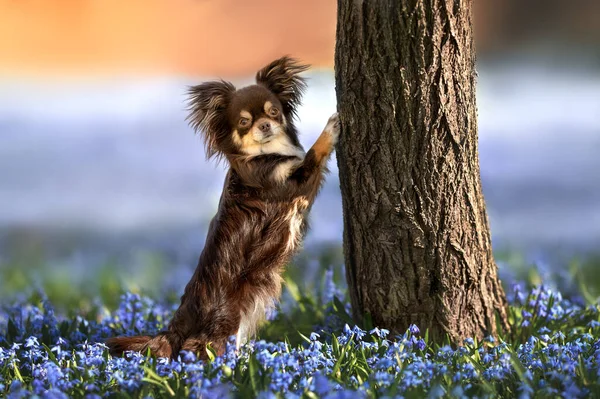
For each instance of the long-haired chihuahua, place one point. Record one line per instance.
(262, 216)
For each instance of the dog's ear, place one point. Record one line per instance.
(282, 77)
(207, 106)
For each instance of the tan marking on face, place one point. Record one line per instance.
(246, 114)
(244, 142)
(268, 106)
(281, 145)
(254, 143)
(236, 138)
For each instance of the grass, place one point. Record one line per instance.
(308, 349)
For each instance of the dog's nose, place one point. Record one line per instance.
(265, 127)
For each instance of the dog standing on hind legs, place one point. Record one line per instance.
(261, 220)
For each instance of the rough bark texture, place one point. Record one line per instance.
(416, 235)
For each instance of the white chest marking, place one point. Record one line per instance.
(295, 218)
(285, 169)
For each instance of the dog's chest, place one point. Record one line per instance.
(286, 226)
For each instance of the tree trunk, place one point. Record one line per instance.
(416, 237)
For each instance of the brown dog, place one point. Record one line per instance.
(261, 221)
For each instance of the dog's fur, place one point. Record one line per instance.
(269, 189)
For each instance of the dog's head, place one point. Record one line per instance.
(255, 120)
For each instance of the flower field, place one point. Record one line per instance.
(307, 350)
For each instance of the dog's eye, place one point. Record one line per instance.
(244, 122)
(273, 112)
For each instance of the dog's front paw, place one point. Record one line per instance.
(333, 127)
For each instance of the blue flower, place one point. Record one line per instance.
(564, 351)
(414, 330)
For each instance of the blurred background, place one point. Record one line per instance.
(104, 187)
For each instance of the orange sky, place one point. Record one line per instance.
(189, 37)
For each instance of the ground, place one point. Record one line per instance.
(309, 348)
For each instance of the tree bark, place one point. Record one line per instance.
(416, 236)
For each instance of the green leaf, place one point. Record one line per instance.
(292, 287)
(254, 370)
(17, 371)
(518, 366)
(212, 354)
(64, 328)
(304, 337)
(51, 355)
(12, 331)
(310, 395)
(367, 322)
(340, 311)
(336, 345)
(46, 335)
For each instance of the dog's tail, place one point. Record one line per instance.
(161, 345)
